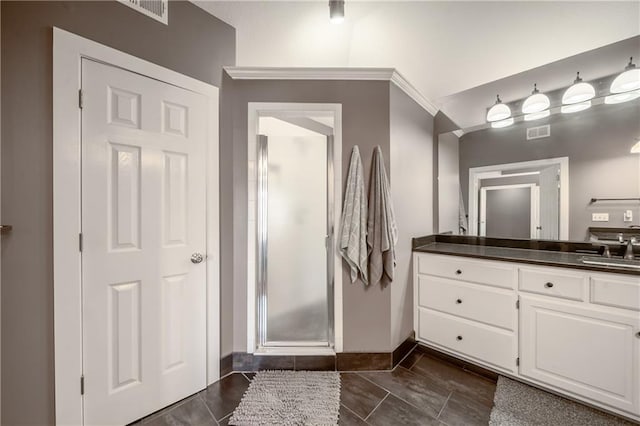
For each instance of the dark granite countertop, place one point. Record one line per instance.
(558, 254)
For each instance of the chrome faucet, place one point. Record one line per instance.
(628, 254)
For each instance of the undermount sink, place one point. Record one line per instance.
(606, 261)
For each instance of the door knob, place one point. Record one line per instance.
(197, 258)
(5, 228)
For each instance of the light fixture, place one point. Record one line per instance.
(336, 11)
(581, 106)
(578, 92)
(619, 98)
(627, 81)
(536, 102)
(502, 123)
(537, 115)
(498, 111)
(635, 149)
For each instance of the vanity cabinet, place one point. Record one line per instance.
(586, 350)
(571, 331)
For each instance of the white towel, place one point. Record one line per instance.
(382, 233)
(353, 232)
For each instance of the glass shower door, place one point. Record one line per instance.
(293, 220)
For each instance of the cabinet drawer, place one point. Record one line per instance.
(484, 343)
(497, 274)
(491, 306)
(616, 291)
(554, 282)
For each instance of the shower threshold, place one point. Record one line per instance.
(295, 350)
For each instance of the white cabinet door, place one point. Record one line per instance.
(143, 216)
(589, 351)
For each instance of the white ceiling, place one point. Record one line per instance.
(442, 48)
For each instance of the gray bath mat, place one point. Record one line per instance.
(290, 398)
(517, 404)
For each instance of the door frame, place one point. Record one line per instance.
(68, 52)
(291, 110)
(476, 174)
(534, 191)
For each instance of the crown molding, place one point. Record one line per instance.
(369, 74)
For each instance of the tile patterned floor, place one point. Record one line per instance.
(422, 390)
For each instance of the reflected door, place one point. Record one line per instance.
(294, 237)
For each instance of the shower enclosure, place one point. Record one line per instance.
(295, 231)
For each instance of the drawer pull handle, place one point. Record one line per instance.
(548, 285)
(459, 301)
(458, 272)
(459, 338)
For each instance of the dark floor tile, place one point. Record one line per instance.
(349, 418)
(192, 412)
(363, 361)
(487, 374)
(454, 378)
(463, 411)
(401, 351)
(224, 396)
(225, 421)
(416, 390)
(315, 363)
(359, 395)
(272, 362)
(394, 411)
(249, 376)
(411, 359)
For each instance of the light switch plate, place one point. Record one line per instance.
(628, 216)
(600, 217)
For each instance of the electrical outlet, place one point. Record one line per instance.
(600, 217)
(628, 216)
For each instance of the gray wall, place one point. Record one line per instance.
(411, 180)
(597, 142)
(365, 122)
(194, 43)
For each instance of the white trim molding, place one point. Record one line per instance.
(346, 73)
(68, 52)
(255, 111)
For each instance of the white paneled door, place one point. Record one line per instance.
(144, 239)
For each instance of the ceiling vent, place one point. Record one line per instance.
(156, 9)
(538, 132)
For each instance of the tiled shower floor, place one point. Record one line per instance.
(421, 390)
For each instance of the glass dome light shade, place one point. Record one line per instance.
(581, 106)
(619, 98)
(579, 92)
(536, 102)
(498, 111)
(537, 115)
(502, 123)
(628, 80)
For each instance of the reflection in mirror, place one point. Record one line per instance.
(538, 179)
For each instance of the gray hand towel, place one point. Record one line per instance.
(382, 232)
(353, 232)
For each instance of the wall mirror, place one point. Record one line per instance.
(565, 175)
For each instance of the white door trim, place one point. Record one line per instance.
(535, 206)
(478, 173)
(68, 51)
(255, 110)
